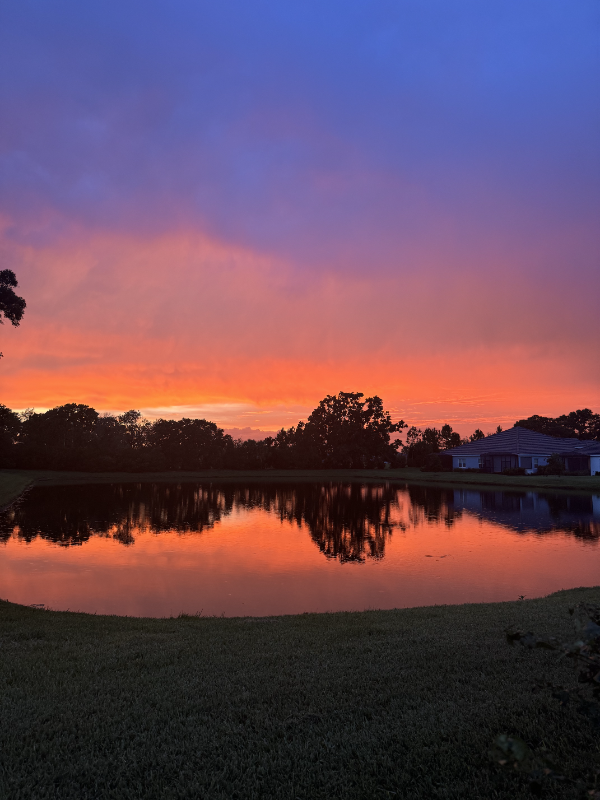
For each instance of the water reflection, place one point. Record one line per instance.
(69, 515)
(280, 548)
(348, 522)
(539, 512)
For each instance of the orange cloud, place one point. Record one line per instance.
(121, 321)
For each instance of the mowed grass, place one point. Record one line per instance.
(356, 705)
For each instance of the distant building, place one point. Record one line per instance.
(519, 447)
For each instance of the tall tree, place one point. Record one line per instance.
(583, 423)
(10, 427)
(346, 431)
(12, 307)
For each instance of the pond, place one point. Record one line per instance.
(256, 549)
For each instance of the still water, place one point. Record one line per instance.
(277, 548)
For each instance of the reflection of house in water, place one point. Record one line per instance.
(578, 514)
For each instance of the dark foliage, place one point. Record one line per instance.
(344, 431)
(433, 463)
(581, 424)
(554, 466)
(12, 307)
(422, 445)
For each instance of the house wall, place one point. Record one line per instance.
(473, 462)
(470, 462)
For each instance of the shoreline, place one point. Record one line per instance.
(558, 595)
(13, 483)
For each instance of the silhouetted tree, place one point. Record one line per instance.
(58, 438)
(10, 427)
(478, 434)
(421, 446)
(581, 424)
(449, 438)
(349, 432)
(12, 307)
(190, 444)
(545, 425)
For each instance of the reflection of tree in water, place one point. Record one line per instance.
(432, 504)
(347, 521)
(69, 515)
(573, 514)
(350, 522)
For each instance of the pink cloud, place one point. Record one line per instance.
(123, 321)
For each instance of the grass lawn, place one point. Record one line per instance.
(358, 705)
(14, 482)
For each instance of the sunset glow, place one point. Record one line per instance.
(220, 214)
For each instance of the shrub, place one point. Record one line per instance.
(433, 463)
(514, 471)
(554, 466)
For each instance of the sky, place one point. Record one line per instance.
(230, 210)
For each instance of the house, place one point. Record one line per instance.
(519, 447)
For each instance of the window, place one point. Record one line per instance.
(462, 463)
(535, 462)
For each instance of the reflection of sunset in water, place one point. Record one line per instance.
(277, 548)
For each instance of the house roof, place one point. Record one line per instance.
(520, 440)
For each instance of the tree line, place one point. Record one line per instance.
(345, 431)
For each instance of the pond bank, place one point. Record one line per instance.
(380, 703)
(14, 482)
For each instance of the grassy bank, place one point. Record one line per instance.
(570, 483)
(13, 482)
(12, 485)
(358, 705)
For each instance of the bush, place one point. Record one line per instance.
(433, 463)
(514, 471)
(554, 466)
(399, 461)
